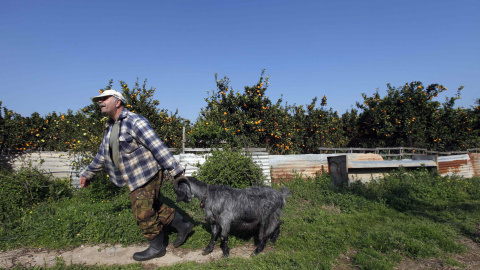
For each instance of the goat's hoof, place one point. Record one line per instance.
(256, 252)
(207, 251)
(225, 255)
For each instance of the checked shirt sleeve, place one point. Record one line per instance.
(96, 165)
(147, 136)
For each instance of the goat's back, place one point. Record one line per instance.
(246, 204)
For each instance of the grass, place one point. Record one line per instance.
(414, 215)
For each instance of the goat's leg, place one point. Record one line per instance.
(224, 246)
(225, 227)
(269, 230)
(261, 246)
(262, 239)
(215, 232)
(273, 228)
(274, 235)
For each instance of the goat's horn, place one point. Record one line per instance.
(178, 179)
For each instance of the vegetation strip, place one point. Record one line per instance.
(414, 215)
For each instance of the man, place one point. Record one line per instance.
(132, 153)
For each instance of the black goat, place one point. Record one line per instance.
(251, 208)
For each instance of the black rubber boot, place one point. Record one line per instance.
(155, 250)
(183, 227)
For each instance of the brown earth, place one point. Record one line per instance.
(110, 255)
(118, 255)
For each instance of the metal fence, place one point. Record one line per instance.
(60, 164)
(275, 167)
(394, 152)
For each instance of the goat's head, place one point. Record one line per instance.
(181, 186)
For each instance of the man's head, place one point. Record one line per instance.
(111, 103)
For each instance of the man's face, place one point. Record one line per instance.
(108, 106)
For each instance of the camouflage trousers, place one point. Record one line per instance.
(150, 213)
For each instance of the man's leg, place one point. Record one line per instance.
(151, 216)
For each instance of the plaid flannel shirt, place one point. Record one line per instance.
(142, 153)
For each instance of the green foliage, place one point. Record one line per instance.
(408, 116)
(320, 223)
(77, 221)
(332, 221)
(250, 119)
(414, 214)
(233, 117)
(316, 127)
(403, 191)
(82, 131)
(24, 189)
(450, 199)
(232, 168)
(102, 188)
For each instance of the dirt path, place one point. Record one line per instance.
(110, 255)
(118, 255)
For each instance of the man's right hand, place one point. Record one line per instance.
(84, 182)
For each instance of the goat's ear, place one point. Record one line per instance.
(181, 186)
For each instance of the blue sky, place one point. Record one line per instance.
(56, 55)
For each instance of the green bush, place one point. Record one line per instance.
(25, 188)
(230, 168)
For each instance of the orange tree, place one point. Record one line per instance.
(456, 128)
(315, 127)
(233, 118)
(3, 127)
(12, 130)
(324, 128)
(406, 116)
(240, 120)
(51, 133)
(351, 128)
(247, 119)
(81, 132)
(250, 119)
(61, 132)
(475, 119)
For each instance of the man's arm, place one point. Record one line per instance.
(147, 136)
(95, 166)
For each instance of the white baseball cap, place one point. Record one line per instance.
(108, 93)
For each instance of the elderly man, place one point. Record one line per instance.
(132, 154)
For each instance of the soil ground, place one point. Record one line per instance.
(118, 255)
(110, 255)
